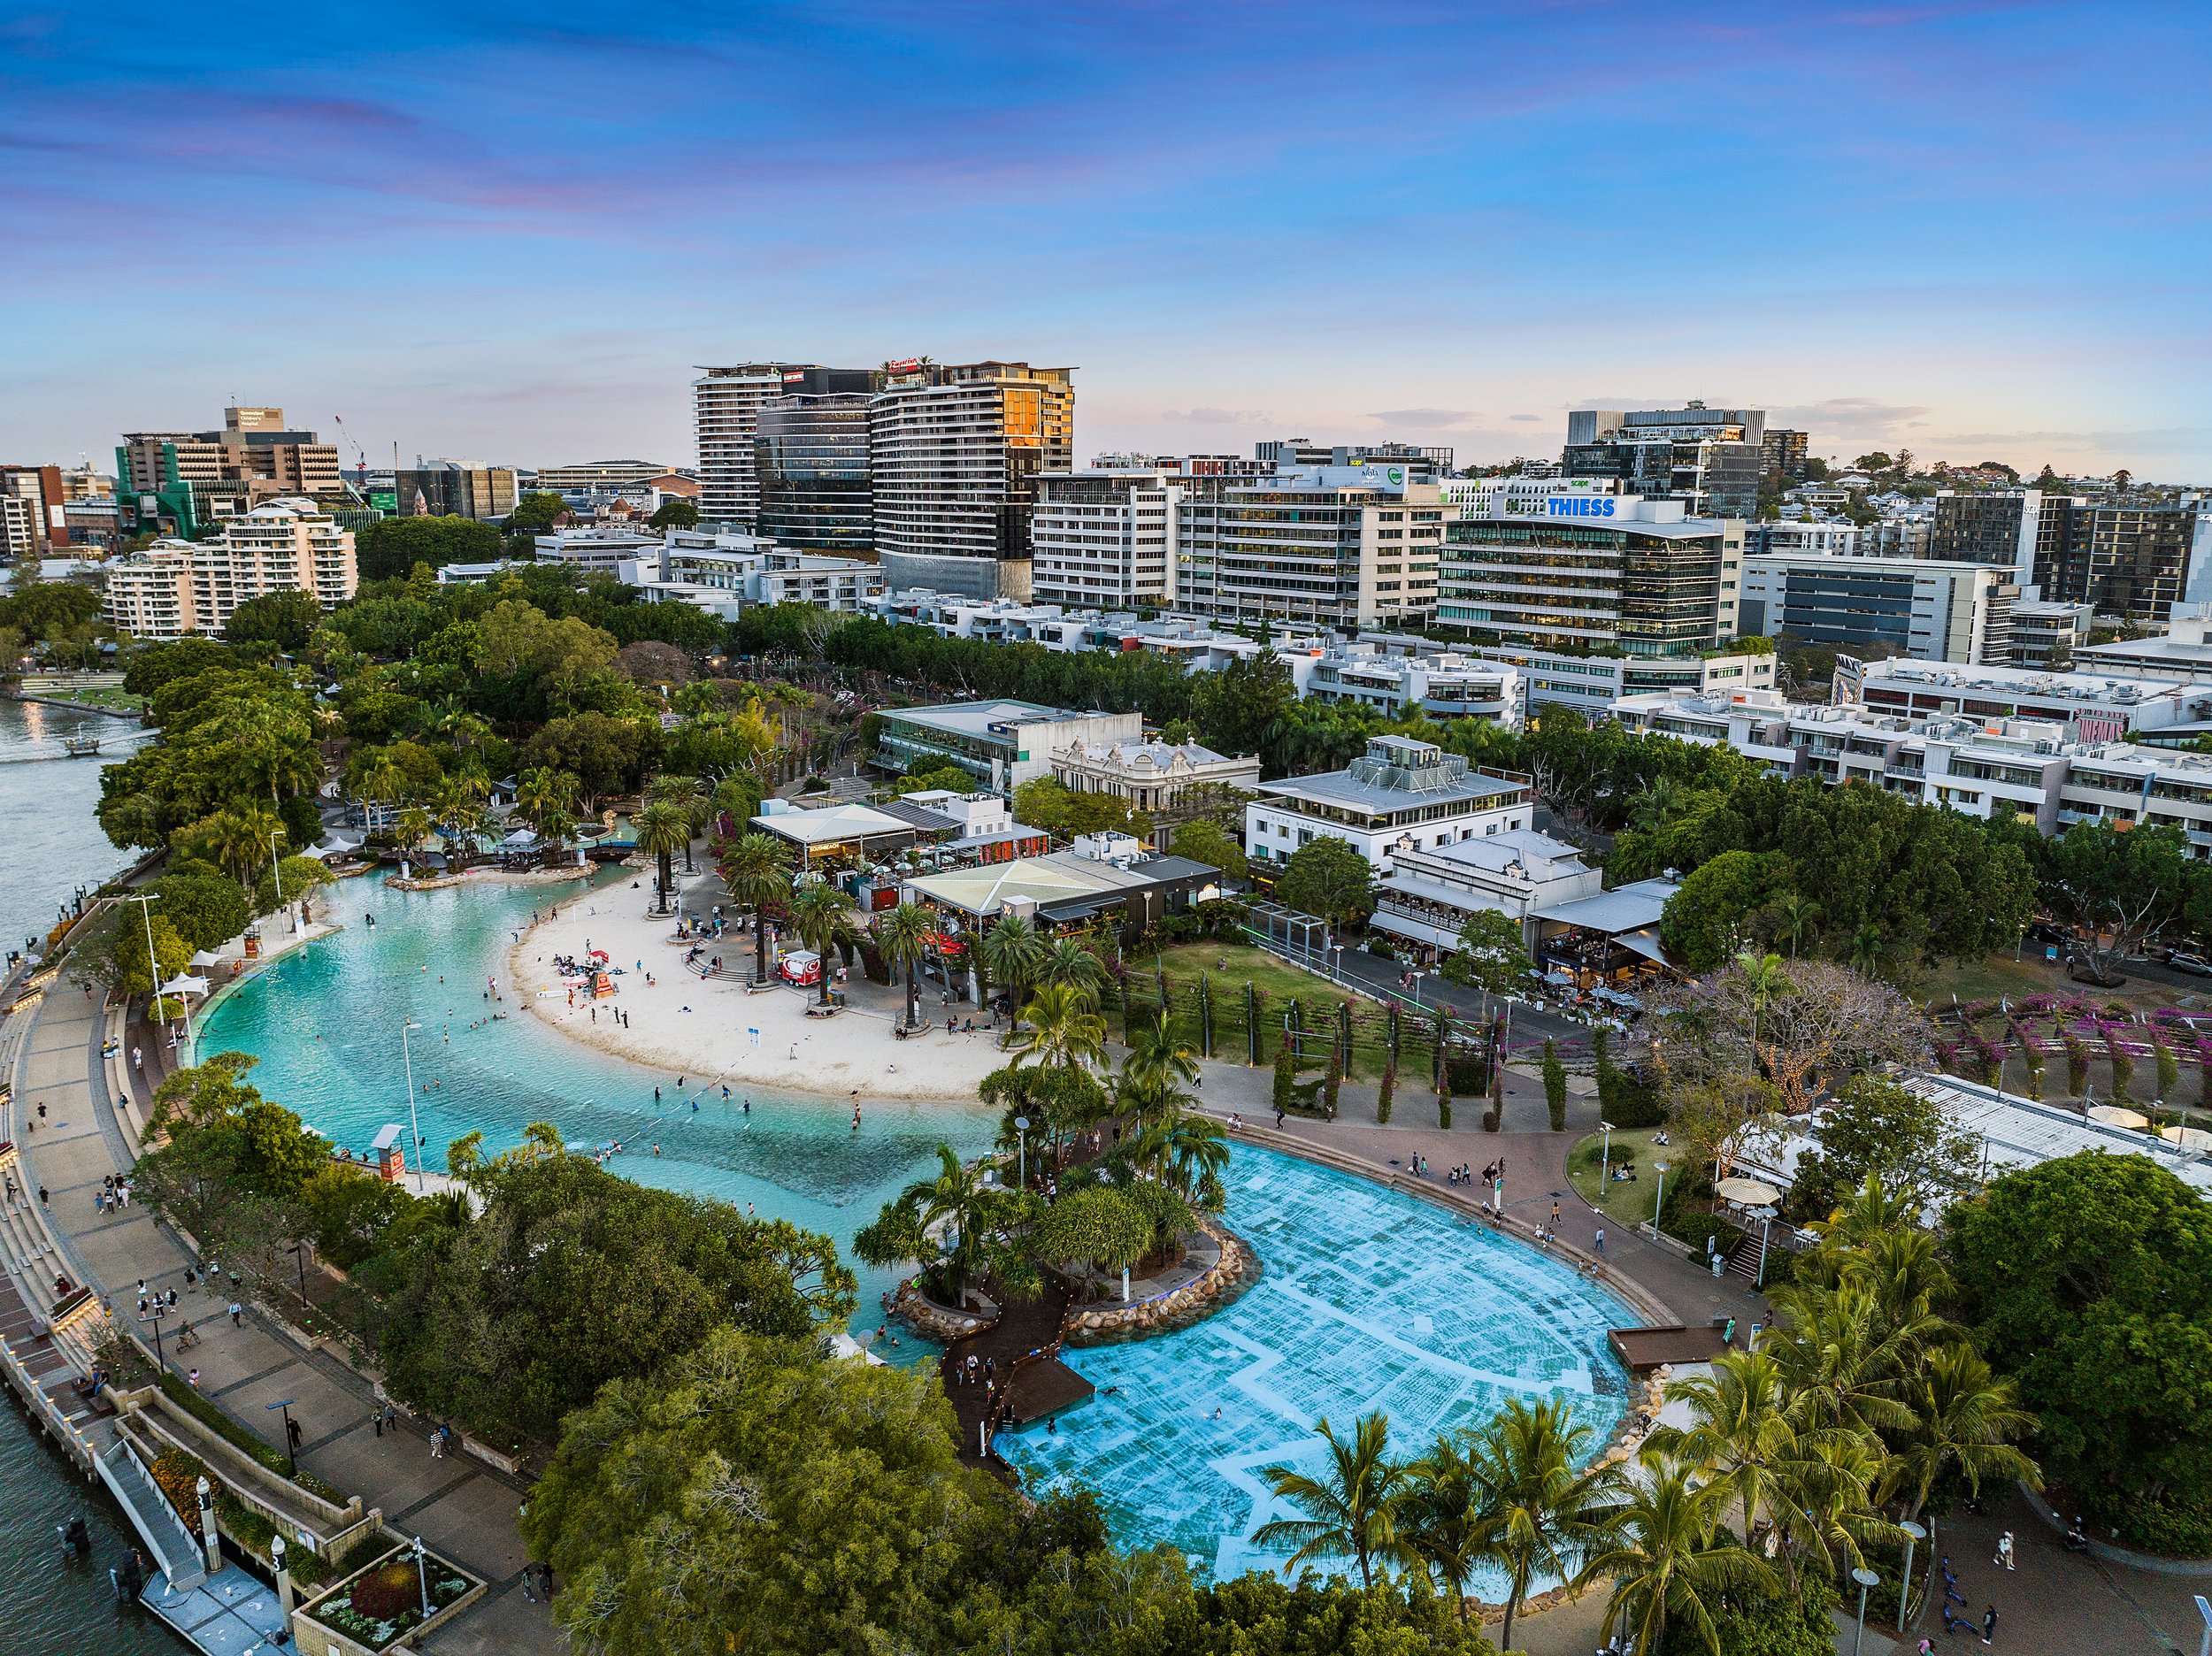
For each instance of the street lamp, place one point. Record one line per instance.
(159, 1311)
(1605, 1161)
(298, 1251)
(286, 1404)
(1765, 1216)
(1021, 1147)
(1866, 1578)
(1913, 1532)
(1417, 988)
(1337, 966)
(1659, 1204)
(415, 1122)
(422, 1579)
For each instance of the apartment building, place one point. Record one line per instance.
(1003, 744)
(2099, 707)
(1831, 540)
(1402, 794)
(33, 510)
(957, 452)
(2023, 530)
(2047, 634)
(725, 418)
(596, 550)
(810, 460)
(174, 587)
(1600, 572)
(1711, 460)
(1925, 608)
(1444, 684)
(724, 572)
(1783, 452)
(1334, 545)
(457, 488)
(1106, 538)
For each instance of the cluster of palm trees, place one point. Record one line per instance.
(1860, 1411)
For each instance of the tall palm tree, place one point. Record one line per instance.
(1651, 809)
(1672, 1562)
(1542, 1513)
(1964, 1418)
(684, 793)
(1074, 964)
(411, 829)
(546, 796)
(1442, 1521)
(1798, 915)
(756, 870)
(1350, 1508)
(822, 916)
(904, 935)
(1063, 1029)
(957, 1196)
(1867, 945)
(1765, 982)
(236, 838)
(1012, 952)
(1842, 1360)
(1182, 1148)
(1741, 1436)
(661, 828)
(1156, 1059)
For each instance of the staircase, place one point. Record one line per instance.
(175, 1552)
(1744, 1262)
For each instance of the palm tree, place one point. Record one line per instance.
(236, 838)
(660, 829)
(957, 1196)
(822, 916)
(1842, 1360)
(1350, 1509)
(1741, 1436)
(1156, 1059)
(1867, 944)
(1074, 964)
(412, 828)
(382, 781)
(1182, 1148)
(1765, 982)
(1063, 1029)
(1670, 1560)
(1963, 1416)
(1651, 809)
(757, 870)
(547, 799)
(1012, 952)
(684, 793)
(1798, 915)
(1440, 1518)
(1540, 1513)
(904, 935)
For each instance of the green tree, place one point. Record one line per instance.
(1876, 1128)
(204, 910)
(1701, 922)
(2115, 885)
(1554, 1085)
(1488, 953)
(536, 514)
(822, 915)
(1063, 1029)
(1104, 1226)
(662, 829)
(1541, 1513)
(1207, 843)
(1328, 878)
(1013, 954)
(1240, 709)
(955, 1197)
(674, 513)
(1350, 1508)
(904, 935)
(1073, 963)
(391, 547)
(1672, 1563)
(755, 869)
(286, 619)
(1156, 1058)
(1965, 1420)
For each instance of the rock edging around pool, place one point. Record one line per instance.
(1237, 1269)
(935, 1322)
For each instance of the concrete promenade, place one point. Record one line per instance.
(460, 1508)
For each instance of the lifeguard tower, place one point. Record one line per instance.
(390, 1155)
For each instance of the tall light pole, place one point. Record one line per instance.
(153, 967)
(1866, 1578)
(1417, 988)
(1021, 1149)
(413, 1121)
(1605, 1161)
(276, 875)
(1913, 1532)
(1659, 1204)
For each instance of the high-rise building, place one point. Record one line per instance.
(2022, 530)
(456, 488)
(726, 412)
(2135, 561)
(1107, 540)
(1606, 572)
(1710, 459)
(34, 518)
(190, 481)
(1346, 547)
(173, 587)
(955, 452)
(1930, 609)
(1783, 452)
(1425, 465)
(811, 464)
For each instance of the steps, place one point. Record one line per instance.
(1744, 1262)
(175, 1552)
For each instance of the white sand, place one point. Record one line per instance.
(702, 1029)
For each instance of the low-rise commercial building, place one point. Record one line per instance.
(175, 587)
(1150, 776)
(1591, 684)
(2103, 707)
(2183, 654)
(2047, 634)
(1430, 894)
(1003, 744)
(1402, 794)
(1442, 686)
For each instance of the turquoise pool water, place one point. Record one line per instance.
(324, 1020)
(1370, 1300)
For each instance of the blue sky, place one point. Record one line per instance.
(1978, 231)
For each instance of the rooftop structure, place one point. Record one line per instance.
(1400, 795)
(1432, 893)
(1003, 744)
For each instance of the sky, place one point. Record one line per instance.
(508, 233)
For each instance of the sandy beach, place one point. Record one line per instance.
(710, 1030)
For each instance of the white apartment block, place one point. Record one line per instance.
(1106, 538)
(725, 411)
(597, 551)
(1590, 684)
(723, 573)
(2099, 707)
(1833, 539)
(175, 587)
(1441, 685)
(1400, 795)
(2047, 635)
(1334, 546)
(1432, 893)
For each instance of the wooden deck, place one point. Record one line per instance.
(1644, 1349)
(1031, 1381)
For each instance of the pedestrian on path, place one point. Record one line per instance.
(293, 1434)
(437, 1443)
(1601, 1242)
(237, 1315)
(193, 1379)
(1989, 1624)
(391, 1419)
(2004, 1550)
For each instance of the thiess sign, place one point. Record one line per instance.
(1578, 505)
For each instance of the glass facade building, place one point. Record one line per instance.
(1640, 588)
(810, 456)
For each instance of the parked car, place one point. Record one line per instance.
(2044, 931)
(2195, 965)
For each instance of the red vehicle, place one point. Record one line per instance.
(802, 966)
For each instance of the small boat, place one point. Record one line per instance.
(81, 747)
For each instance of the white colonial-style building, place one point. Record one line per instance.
(1150, 775)
(1400, 795)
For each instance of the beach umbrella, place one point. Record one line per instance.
(2114, 1115)
(2187, 1137)
(1750, 1192)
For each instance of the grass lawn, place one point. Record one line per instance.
(1625, 1203)
(1997, 975)
(1184, 961)
(114, 698)
(1228, 967)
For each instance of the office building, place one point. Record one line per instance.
(811, 464)
(188, 482)
(2100, 706)
(590, 477)
(1834, 540)
(1106, 538)
(1402, 794)
(2134, 561)
(595, 549)
(2023, 530)
(1431, 892)
(1440, 685)
(1589, 684)
(1334, 545)
(1184, 465)
(1783, 454)
(1517, 496)
(1001, 744)
(1292, 454)
(174, 587)
(1601, 572)
(457, 488)
(2047, 634)
(1924, 607)
(1709, 459)
(33, 510)
(725, 418)
(956, 451)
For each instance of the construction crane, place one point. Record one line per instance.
(360, 454)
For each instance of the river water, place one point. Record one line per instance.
(49, 846)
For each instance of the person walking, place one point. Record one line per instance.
(2004, 1550)
(376, 1419)
(1600, 1243)
(237, 1315)
(293, 1434)
(391, 1419)
(437, 1443)
(1989, 1624)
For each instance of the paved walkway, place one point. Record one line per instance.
(461, 1509)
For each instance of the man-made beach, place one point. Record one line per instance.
(711, 1030)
